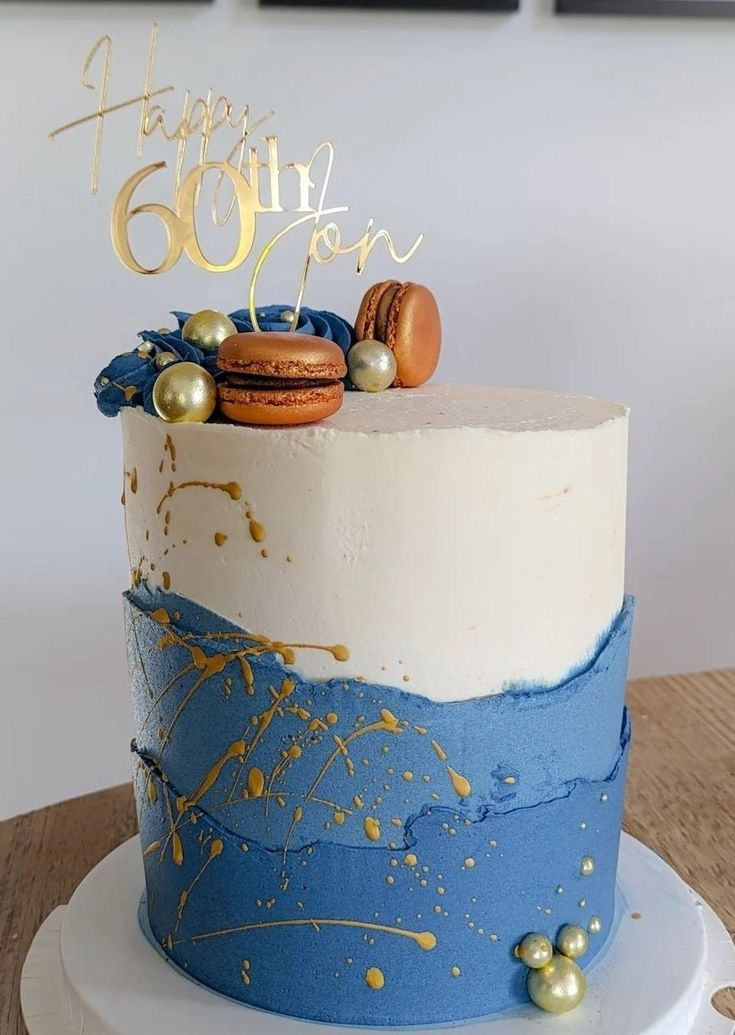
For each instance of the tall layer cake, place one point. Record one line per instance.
(378, 666)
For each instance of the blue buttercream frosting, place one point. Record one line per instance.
(128, 380)
(355, 826)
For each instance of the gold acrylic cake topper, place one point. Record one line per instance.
(240, 168)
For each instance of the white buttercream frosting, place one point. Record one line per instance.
(458, 540)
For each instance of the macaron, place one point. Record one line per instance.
(405, 317)
(280, 378)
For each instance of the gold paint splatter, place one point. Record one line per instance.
(257, 531)
(410, 859)
(461, 784)
(372, 828)
(264, 553)
(332, 718)
(408, 776)
(166, 579)
(374, 978)
(510, 780)
(134, 480)
(440, 752)
(469, 863)
(339, 818)
(220, 538)
(358, 802)
(636, 916)
(256, 782)
(456, 972)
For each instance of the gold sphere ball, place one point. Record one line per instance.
(184, 392)
(558, 987)
(165, 330)
(535, 950)
(145, 348)
(587, 866)
(288, 316)
(371, 366)
(207, 329)
(165, 359)
(572, 941)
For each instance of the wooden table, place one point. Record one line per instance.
(681, 802)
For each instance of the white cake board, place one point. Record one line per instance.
(91, 971)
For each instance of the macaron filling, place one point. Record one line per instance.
(255, 382)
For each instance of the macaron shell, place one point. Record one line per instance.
(280, 407)
(414, 334)
(382, 313)
(365, 322)
(282, 354)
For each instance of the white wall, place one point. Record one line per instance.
(574, 178)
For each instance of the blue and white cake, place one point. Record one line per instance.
(378, 667)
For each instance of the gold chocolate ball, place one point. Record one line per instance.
(371, 366)
(572, 941)
(288, 316)
(145, 348)
(184, 392)
(535, 950)
(207, 329)
(557, 987)
(164, 359)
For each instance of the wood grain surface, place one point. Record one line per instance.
(681, 802)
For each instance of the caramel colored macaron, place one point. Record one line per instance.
(280, 378)
(405, 317)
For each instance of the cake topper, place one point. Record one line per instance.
(206, 119)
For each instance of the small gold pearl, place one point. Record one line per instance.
(165, 330)
(595, 925)
(587, 866)
(104, 380)
(145, 348)
(163, 359)
(534, 950)
(184, 392)
(207, 329)
(288, 316)
(558, 987)
(571, 941)
(371, 366)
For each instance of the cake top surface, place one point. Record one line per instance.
(471, 406)
(452, 407)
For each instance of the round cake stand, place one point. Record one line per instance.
(91, 971)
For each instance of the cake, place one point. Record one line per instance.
(378, 668)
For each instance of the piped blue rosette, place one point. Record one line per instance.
(128, 380)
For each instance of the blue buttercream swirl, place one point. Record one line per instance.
(319, 322)
(128, 380)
